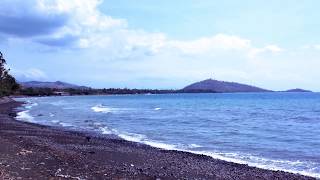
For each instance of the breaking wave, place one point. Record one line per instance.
(101, 109)
(25, 116)
(264, 163)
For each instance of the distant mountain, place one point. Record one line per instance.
(297, 90)
(51, 85)
(211, 85)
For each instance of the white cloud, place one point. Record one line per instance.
(273, 49)
(317, 46)
(54, 20)
(103, 46)
(208, 44)
(29, 74)
(82, 25)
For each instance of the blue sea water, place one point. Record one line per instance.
(279, 131)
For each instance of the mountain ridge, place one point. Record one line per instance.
(204, 86)
(51, 85)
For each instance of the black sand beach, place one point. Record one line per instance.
(29, 151)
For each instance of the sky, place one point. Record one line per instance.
(167, 44)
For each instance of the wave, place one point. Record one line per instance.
(254, 161)
(55, 121)
(65, 124)
(157, 109)
(24, 116)
(143, 139)
(161, 145)
(264, 163)
(105, 130)
(101, 109)
(139, 138)
(194, 146)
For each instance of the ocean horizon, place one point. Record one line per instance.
(277, 131)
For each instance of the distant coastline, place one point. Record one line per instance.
(58, 88)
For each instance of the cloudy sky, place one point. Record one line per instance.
(274, 44)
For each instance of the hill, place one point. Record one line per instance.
(51, 85)
(297, 90)
(211, 85)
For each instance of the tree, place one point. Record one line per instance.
(8, 84)
(3, 70)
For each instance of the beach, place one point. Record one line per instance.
(31, 151)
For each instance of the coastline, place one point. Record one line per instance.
(34, 151)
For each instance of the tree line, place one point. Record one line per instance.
(8, 84)
(31, 91)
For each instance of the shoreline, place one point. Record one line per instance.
(40, 152)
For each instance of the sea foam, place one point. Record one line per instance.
(25, 116)
(101, 109)
(105, 130)
(254, 161)
(263, 163)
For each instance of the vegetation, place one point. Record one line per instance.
(88, 91)
(8, 84)
(36, 92)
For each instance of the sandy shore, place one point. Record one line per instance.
(30, 151)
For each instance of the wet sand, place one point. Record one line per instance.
(30, 151)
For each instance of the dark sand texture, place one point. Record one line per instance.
(29, 151)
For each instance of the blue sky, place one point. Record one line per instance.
(285, 22)
(163, 44)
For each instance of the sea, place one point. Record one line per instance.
(278, 131)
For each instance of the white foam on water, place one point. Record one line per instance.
(55, 121)
(254, 161)
(141, 139)
(161, 145)
(105, 130)
(194, 146)
(101, 109)
(264, 163)
(132, 137)
(65, 124)
(24, 116)
(157, 109)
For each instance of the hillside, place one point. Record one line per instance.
(211, 85)
(297, 90)
(51, 85)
